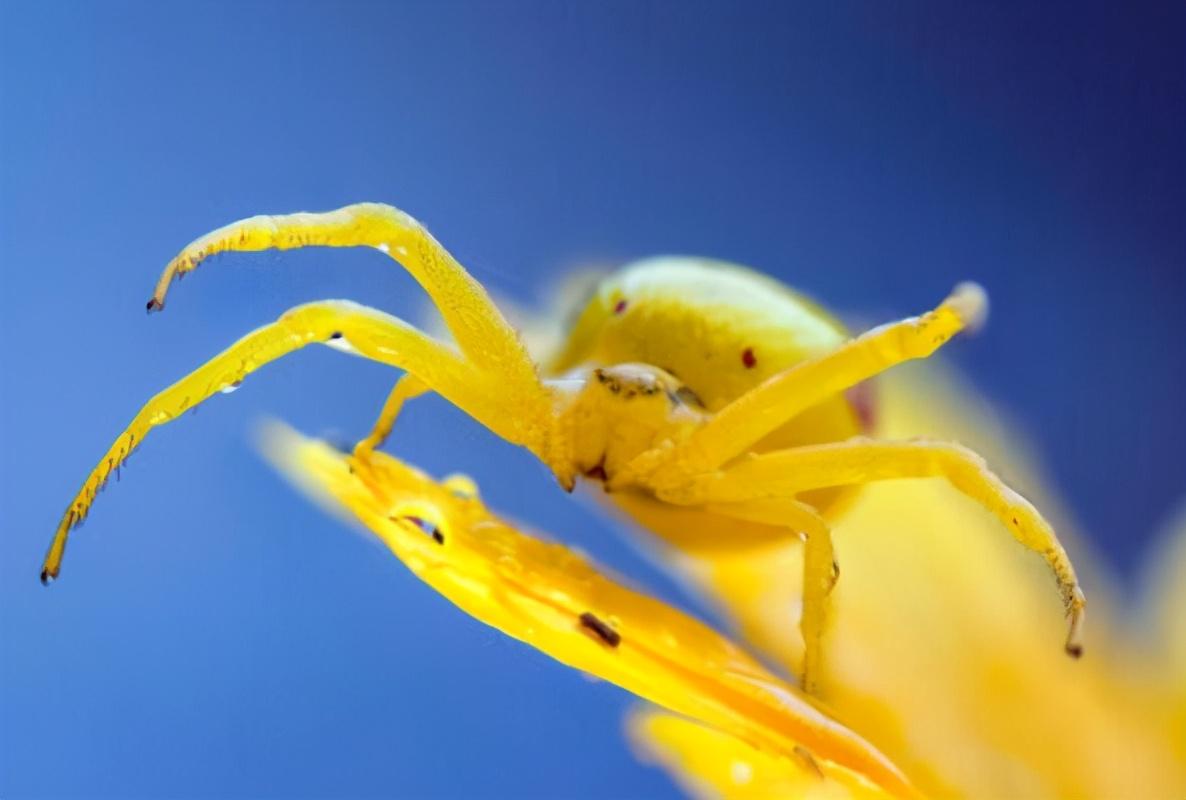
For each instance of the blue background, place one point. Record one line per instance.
(214, 634)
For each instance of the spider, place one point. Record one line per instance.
(705, 397)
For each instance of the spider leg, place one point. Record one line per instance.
(771, 404)
(787, 472)
(479, 328)
(406, 388)
(820, 571)
(488, 396)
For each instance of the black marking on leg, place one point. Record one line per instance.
(591, 622)
(336, 335)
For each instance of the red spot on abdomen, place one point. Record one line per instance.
(748, 358)
(620, 307)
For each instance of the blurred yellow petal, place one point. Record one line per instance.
(550, 597)
(944, 648)
(1166, 618)
(708, 763)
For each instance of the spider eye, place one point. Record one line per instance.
(428, 526)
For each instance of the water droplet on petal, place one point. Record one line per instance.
(741, 773)
(428, 526)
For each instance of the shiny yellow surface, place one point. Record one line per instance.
(1164, 634)
(539, 592)
(708, 763)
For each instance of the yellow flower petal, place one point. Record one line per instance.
(708, 763)
(548, 596)
(1166, 587)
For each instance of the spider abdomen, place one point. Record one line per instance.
(721, 329)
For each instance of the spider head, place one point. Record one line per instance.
(623, 410)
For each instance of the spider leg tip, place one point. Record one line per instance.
(1074, 644)
(48, 577)
(970, 301)
(154, 304)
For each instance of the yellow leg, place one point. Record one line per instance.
(770, 405)
(406, 388)
(479, 328)
(859, 461)
(820, 571)
(487, 396)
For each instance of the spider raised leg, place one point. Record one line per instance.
(370, 333)
(478, 327)
(734, 429)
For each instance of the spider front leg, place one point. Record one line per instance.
(478, 327)
(782, 397)
(516, 410)
(406, 388)
(820, 571)
(786, 473)
(476, 324)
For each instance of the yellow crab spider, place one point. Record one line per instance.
(750, 441)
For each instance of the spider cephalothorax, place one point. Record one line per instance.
(619, 412)
(755, 434)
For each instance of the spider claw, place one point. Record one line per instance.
(1074, 644)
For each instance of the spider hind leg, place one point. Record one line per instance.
(786, 473)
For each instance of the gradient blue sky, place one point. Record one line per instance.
(213, 634)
